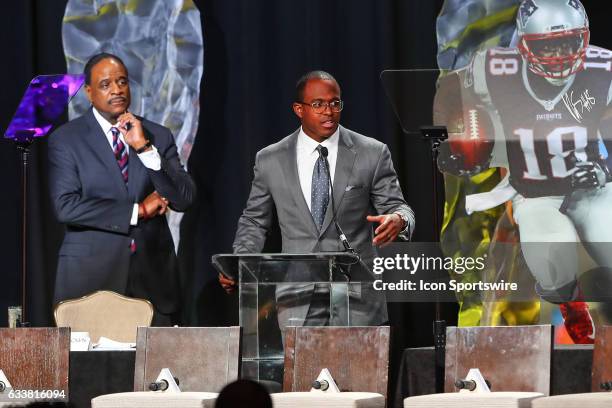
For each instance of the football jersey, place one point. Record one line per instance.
(547, 128)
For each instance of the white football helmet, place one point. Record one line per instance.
(553, 36)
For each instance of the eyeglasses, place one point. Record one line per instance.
(319, 106)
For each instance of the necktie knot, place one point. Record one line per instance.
(115, 132)
(322, 150)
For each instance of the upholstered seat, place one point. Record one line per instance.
(156, 400)
(474, 400)
(328, 400)
(588, 400)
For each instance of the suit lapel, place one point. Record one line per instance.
(293, 180)
(344, 167)
(98, 142)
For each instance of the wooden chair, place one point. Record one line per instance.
(602, 373)
(357, 358)
(204, 359)
(512, 358)
(35, 359)
(516, 360)
(105, 313)
(602, 358)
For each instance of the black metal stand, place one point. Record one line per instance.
(23, 143)
(435, 135)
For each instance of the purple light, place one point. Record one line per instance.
(42, 106)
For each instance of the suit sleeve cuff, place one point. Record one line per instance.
(134, 219)
(408, 219)
(151, 159)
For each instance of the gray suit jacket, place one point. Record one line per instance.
(365, 183)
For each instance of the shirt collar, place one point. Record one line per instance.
(307, 143)
(104, 124)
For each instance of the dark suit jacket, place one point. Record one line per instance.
(365, 183)
(92, 200)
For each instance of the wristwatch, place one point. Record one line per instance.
(405, 219)
(143, 148)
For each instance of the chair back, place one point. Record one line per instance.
(105, 313)
(357, 357)
(204, 359)
(36, 359)
(511, 358)
(602, 359)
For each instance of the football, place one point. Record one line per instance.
(471, 136)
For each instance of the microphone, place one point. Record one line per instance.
(161, 385)
(322, 385)
(342, 236)
(469, 385)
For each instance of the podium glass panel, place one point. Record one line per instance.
(280, 290)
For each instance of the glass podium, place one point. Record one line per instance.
(280, 290)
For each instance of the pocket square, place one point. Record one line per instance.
(351, 188)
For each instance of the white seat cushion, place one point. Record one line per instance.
(590, 400)
(156, 400)
(473, 399)
(325, 400)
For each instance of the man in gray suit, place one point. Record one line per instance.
(292, 177)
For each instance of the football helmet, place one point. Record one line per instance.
(553, 36)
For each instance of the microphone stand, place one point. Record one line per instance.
(23, 141)
(343, 239)
(435, 135)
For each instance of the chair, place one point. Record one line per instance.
(602, 358)
(512, 358)
(105, 313)
(357, 358)
(516, 360)
(35, 359)
(204, 359)
(602, 373)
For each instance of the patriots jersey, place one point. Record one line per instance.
(547, 128)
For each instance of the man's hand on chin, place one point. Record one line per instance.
(131, 128)
(388, 230)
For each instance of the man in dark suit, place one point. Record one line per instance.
(112, 177)
(291, 176)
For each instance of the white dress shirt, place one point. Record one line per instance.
(150, 159)
(307, 156)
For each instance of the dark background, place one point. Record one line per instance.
(254, 53)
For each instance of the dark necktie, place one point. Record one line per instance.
(319, 190)
(121, 154)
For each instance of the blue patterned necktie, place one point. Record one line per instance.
(121, 154)
(319, 190)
